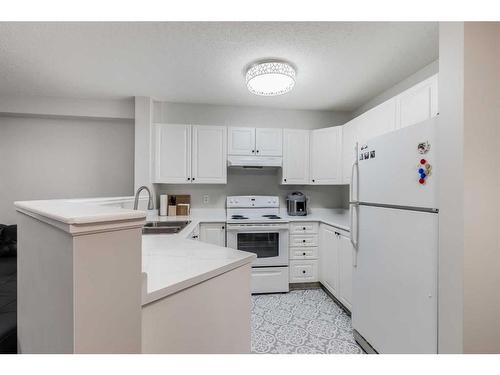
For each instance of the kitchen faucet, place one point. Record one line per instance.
(136, 200)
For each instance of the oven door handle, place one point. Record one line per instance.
(249, 228)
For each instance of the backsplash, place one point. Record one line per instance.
(256, 182)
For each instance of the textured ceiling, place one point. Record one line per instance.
(340, 65)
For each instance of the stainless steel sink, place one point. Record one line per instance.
(164, 227)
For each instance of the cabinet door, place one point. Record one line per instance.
(325, 156)
(295, 157)
(269, 141)
(349, 139)
(214, 233)
(209, 155)
(377, 121)
(418, 103)
(345, 272)
(241, 141)
(172, 154)
(329, 258)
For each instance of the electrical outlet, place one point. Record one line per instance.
(206, 199)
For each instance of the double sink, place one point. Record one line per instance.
(164, 227)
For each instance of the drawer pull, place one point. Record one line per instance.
(304, 228)
(303, 271)
(303, 253)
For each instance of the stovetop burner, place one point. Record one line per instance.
(238, 217)
(272, 216)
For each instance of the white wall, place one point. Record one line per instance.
(451, 225)
(422, 74)
(42, 158)
(257, 182)
(469, 135)
(176, 113)
(481, 187)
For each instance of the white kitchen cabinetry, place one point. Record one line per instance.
(349, 139)
(255, 141)
(209, 156)
(304, 252)
(335, 260)
(172, 153)
(214, 233)
(241, 141)
(326, 156)
(190, 154)
(377, 121)
(269, 141)
(295, 169)
(418, 103)
(328, 258)
(345, 270)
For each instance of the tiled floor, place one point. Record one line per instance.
(302, 321)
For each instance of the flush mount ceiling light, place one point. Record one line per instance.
(270, 78)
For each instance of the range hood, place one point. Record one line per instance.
(254, 161)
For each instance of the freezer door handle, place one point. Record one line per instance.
(353, 234)
(351, 185)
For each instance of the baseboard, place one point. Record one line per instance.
(347, 311)
(368, 349)
(302, 286)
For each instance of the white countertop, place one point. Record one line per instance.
(174, 262)
(336, 217)
(78, 212)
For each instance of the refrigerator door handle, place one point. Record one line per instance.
(354, 207)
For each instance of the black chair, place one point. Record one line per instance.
(8, 289)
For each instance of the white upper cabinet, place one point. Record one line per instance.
(269, 141)
(255, 141)
(295, 169)
(418, 103)
(172, 153)
(209, 156)
(241, 141)
(190, 154)
(349, 139)
(326, 155)
(377, 121)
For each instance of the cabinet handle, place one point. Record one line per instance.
(303, 271)
(253, 151)
(189, 179)
(284, 179)
(304, 241)
(314, 180)
(223, 227)
(193, 178)
(303, 253)
(304, 228)
(195, 237)
(257, 151)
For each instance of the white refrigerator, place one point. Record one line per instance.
(394, 230)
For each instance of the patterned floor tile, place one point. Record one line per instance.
(302, 322)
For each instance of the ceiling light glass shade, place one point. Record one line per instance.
(270, 78)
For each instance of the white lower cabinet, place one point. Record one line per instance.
(214, 233)
(335, 260)
(303, 271)
(303, 252)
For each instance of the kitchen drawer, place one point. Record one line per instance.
(303, 253)
(304, 240)
(304, 228)
(303, 271)
(270, 280)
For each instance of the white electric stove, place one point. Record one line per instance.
(254, 225)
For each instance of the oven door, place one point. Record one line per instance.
(269, 242)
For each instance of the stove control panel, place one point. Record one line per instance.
(252, 201)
